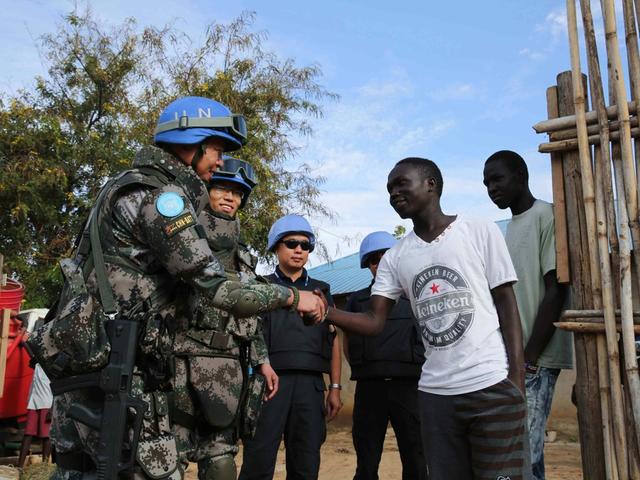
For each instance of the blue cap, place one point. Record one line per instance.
(374, 242)
(289, 225)
(191, 120)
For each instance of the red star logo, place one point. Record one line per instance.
(434, 288)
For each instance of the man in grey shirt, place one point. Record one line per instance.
(530, 239)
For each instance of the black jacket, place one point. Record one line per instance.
(396, 352)
(291, 344)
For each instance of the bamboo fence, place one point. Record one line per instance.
(596, 162)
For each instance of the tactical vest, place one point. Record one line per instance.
(291, 344)
(214, 331)
(396, 352)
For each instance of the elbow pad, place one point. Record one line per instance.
(242, 300)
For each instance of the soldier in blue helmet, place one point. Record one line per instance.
(154, 259)
(224, 378)
(387, 369)
(300, 356)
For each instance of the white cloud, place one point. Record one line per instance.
(395, 84)
(455, 91)
(386, 89)
(555, 23)
(419, 137)
(532, 54)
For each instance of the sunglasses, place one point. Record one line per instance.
(293, 244)
(234, 166)
(235, 125)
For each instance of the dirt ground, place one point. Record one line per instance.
(562, 457)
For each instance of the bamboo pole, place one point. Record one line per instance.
(603, 179)
(584, 315)
(563, 271)
(587, 383)
(637, 8)
(598, 257)
(592, 129)
(569, 121)
(633, 60)
(572, 144)
(589, 327)
(630, 194)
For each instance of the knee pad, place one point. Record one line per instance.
(219, 468)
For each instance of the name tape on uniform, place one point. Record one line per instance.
(179, 224)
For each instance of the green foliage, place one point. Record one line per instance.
(98, 104)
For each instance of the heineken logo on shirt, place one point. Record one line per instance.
(444, 305)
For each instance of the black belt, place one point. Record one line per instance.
(78, 461)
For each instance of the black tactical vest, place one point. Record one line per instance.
(396, 352)
(291, 344)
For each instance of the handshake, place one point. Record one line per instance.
(311, 306)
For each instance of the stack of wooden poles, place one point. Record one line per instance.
(595, 162)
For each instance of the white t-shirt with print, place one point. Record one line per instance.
(449, 282)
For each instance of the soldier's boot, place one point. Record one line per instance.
(218, 468)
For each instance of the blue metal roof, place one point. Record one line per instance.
(344, 275)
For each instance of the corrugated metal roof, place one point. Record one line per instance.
(344, 275)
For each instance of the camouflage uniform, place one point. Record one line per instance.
(214, 357)
(145, 252)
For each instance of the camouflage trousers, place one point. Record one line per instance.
(156, 454)
(208, 390)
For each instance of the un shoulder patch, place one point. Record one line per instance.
(170, 204)
(178, 224)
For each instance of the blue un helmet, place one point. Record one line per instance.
(374, 242)
(289, 225)
(236, 171)
(191, 120)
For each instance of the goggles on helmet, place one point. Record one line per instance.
(235, 125)
(235, 166)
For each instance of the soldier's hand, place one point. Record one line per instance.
(272, 381)
(311, 308)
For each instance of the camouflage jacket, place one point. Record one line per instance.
(223, 236)
(146, 250)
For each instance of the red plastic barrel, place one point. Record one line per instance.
(11, 295)
(19, 374)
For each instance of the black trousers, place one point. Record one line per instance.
(378, 401)
(297, 412)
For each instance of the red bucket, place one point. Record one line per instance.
(11, 295)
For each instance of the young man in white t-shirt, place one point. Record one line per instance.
(458, 275)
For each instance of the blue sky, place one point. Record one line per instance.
(450, 81)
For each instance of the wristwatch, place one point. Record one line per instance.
(335, 386)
